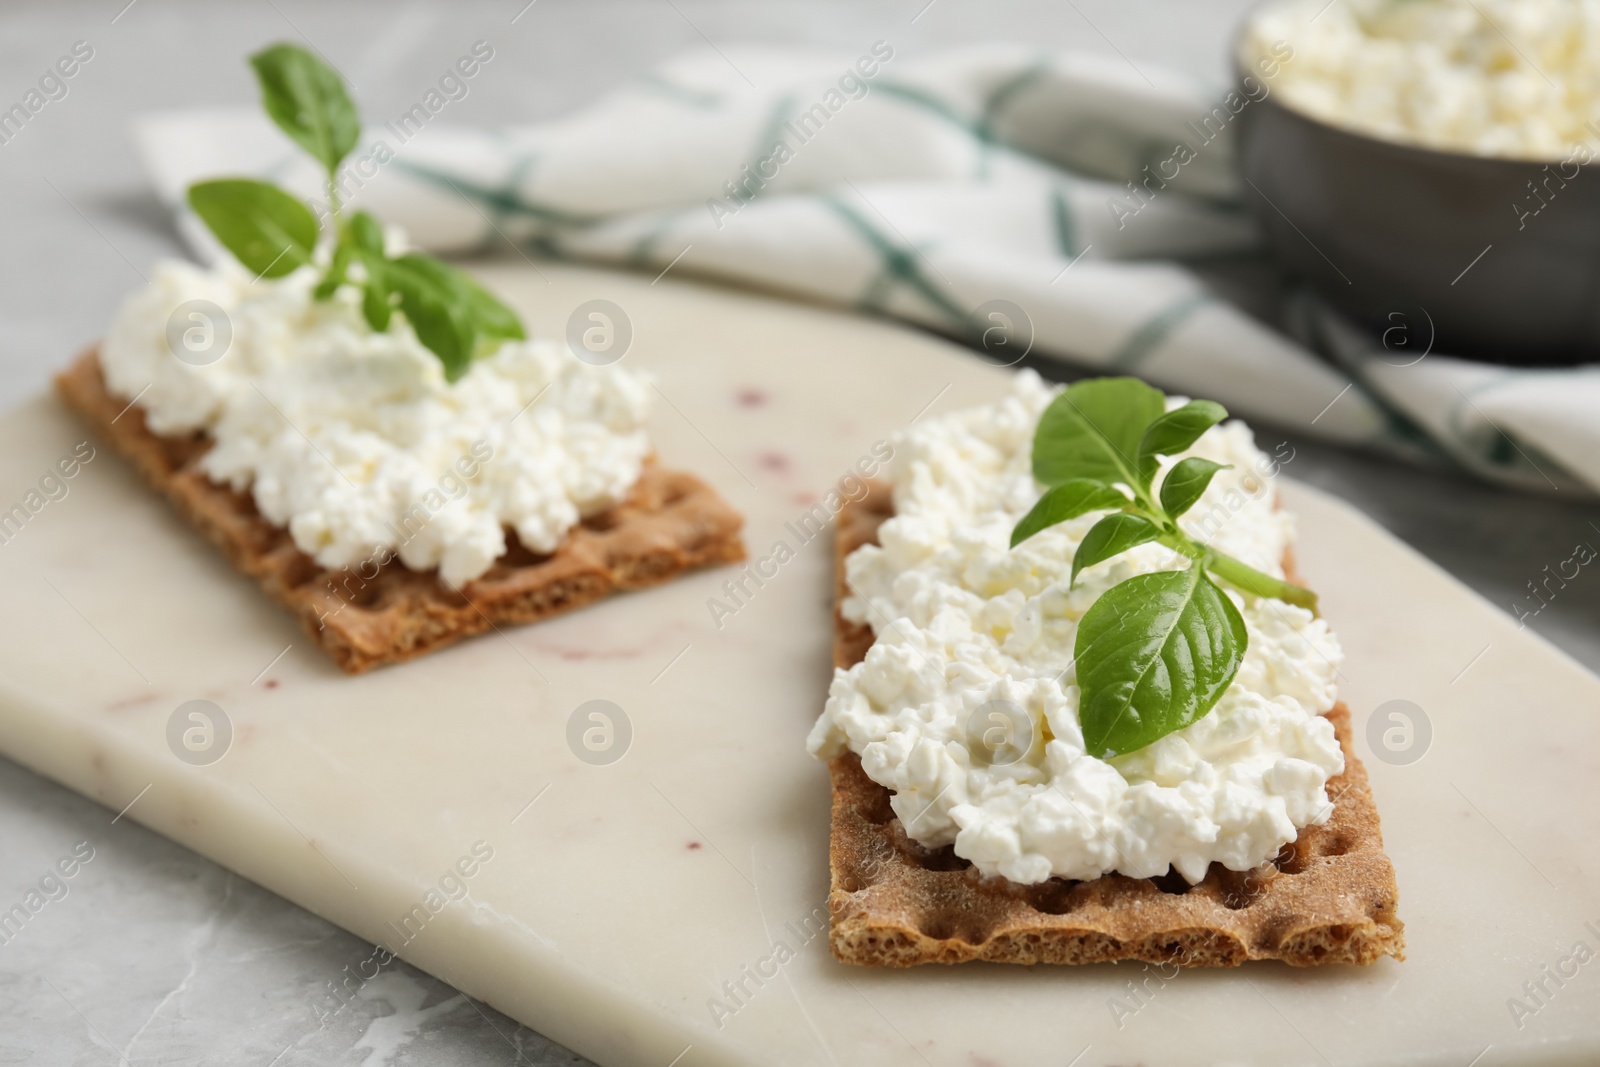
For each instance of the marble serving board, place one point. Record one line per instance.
(618, 906)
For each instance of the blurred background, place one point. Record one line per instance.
(195, 964)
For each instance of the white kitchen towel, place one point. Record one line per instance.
(1098, 207)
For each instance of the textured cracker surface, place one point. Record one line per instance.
(670, 523)
(1328, 897)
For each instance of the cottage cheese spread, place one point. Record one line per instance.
(354, 441)
(961, 621)
(1515, 78)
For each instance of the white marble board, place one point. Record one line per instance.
(616, 905)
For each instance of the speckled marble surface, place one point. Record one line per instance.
(157, 955)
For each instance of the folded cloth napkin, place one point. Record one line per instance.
(1022, 200)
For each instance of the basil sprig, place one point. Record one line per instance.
(273, 233)
(1156, 652)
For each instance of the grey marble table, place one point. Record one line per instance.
(157, 955)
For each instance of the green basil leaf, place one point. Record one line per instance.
(1175, 431)
(492, 319)
(1185, 482)
(366, 237)
(1154, 654)
(436, 272)
(441, 320)
(375, 291)
(495, 320)
(443, 329)
(366, 232)
(336, 273)
(1093, 430)
(1112, 536)
(306, 98)
(375, 306)
(1067, 501)
(265, 228)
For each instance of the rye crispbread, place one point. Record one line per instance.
(670, 523)
(1328, 897)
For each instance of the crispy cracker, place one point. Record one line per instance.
(1328, 897)
(670, 523)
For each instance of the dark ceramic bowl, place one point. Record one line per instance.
(1394, 234)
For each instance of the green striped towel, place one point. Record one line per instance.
(926, 190)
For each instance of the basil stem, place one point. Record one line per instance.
(1252, 581)
(1240, 574)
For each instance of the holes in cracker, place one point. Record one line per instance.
(497, 572)
(299, 570)
(603, 522)
(1242, 889)
(1336, 845)
(181, 452)
(951, 928)
(935, 859)
(876, 809)
(268, 544)
(1172, 882)
(1292, 858)
(1055, 897)
(356, 593)
(517, 554)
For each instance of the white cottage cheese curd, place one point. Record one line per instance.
(354, 441)
(961, 620)
(1514, 78)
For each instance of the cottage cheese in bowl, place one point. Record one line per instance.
(354, 441)
(964, 623)
(1518, 79)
